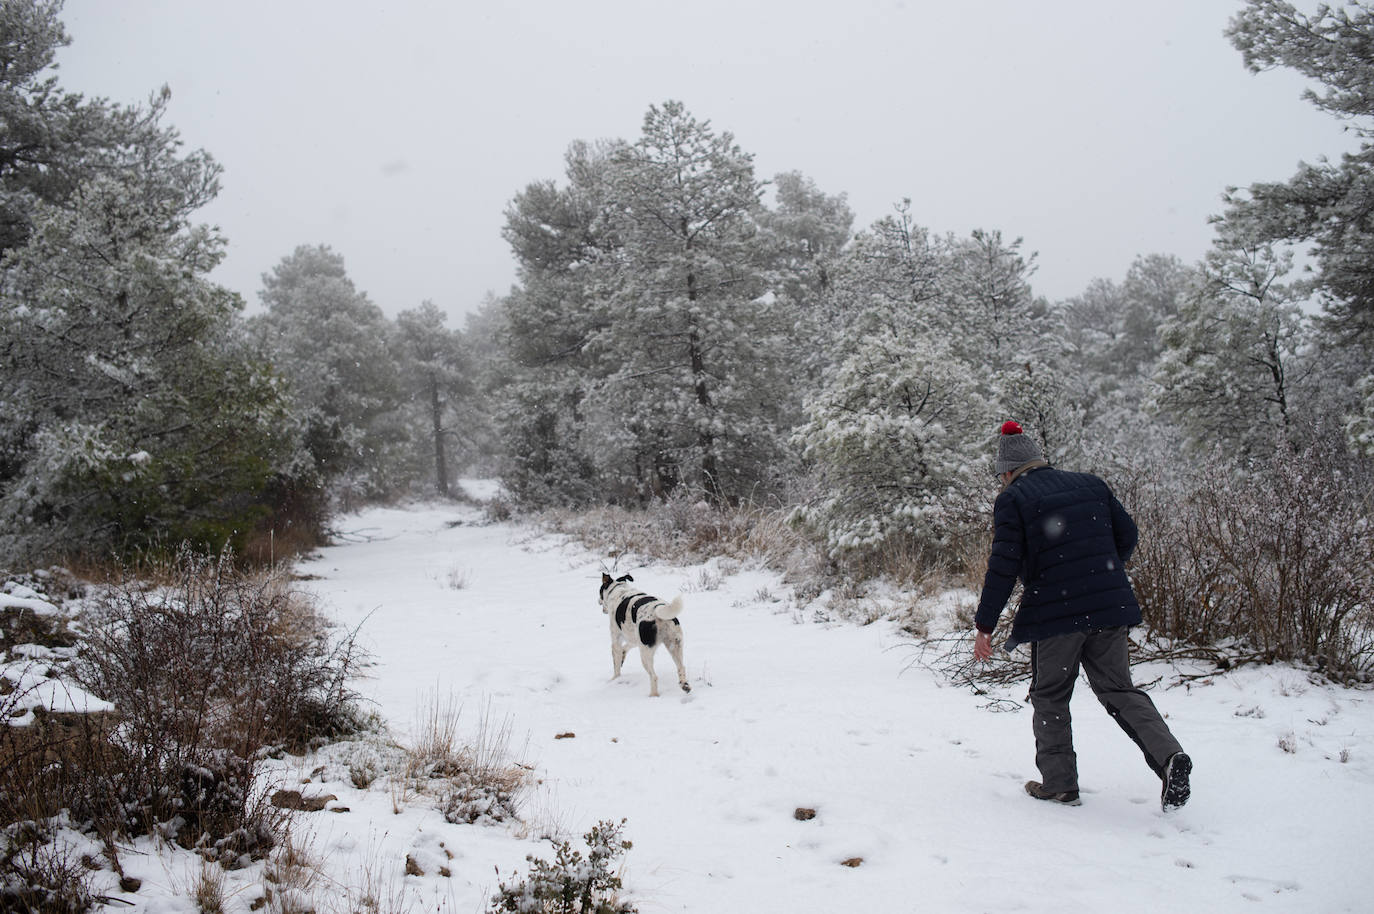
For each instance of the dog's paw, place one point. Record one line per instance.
(685, 687)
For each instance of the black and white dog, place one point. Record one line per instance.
(637, 618)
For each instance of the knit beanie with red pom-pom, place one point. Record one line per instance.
(1015, 449)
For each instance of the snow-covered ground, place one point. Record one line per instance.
(914, 777)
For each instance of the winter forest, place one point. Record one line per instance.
(723, 352)
(684, 328)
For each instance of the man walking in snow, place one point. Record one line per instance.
(1067, 538)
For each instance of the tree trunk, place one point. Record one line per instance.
(705, 439)
(440, 463)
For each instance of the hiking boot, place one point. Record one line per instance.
(1063, 798)
(1175, 791)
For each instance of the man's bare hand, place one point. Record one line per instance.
(982, 646)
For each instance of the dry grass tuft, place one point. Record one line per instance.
(474, 780)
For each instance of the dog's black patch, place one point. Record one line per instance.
(648, 633)
(677, 623)
(621, 610)
(634, 607)
(607, 583)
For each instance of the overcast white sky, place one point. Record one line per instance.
(398, 132)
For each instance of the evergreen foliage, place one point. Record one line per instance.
(1233, 355)
(572, 883)
(131, 414)
(892, 432)
(435, 376)
(331, 344)
(694, 338)
(1325, 204)
(1328, 207)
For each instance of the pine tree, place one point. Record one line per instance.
(989, 309)
(694, 339)
(330, 343)
(1328, 205)
(1112, 332)
(544, 330)
(433, 367)
(1233, 355)
(131, 413)
(891, 433)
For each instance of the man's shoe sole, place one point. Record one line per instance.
(1176, 789)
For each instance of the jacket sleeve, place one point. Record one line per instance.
(1124, 529)
(1004, 561)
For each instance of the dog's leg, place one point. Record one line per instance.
(618, 652)
(646, 654)
(675, 648)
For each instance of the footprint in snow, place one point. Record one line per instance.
(1269, 886)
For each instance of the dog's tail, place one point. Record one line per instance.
(669, 610)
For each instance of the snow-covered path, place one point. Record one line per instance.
(914, 778)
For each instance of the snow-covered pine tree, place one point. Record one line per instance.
(894, 434)
(131, 414)
(1112, 336)
(1013, 339)
(808, 232)
(692, 332)
(1326, 206)
(894, 431)
(52, 140)
(1234, 354)
(990, 314)
(331, 344)
(894, 268)
(542, 331)
(432, 362)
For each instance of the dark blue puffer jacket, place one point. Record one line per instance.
(1067, 538)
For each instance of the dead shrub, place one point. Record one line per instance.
(686, 529)
(475, 782)
(1275, 563)
(209, 672)
(40, 872)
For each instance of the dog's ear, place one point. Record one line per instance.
(625, 577)
(605, 578)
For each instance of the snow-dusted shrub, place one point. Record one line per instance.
(477, 796)
(1359, 427)
(685, 529)
(208, 672)
(1275, 562)
(41, 869)
(895, 435)
(475, 780)
(572, 883)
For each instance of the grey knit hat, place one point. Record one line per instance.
(1015, 449)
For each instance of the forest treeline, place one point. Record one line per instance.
(684, 328)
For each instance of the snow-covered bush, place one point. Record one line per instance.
(572, 883)
(473, 781)
(895, 436)
(41, 868)
(208, 672)
(1273, 563)
(684, 529)
(1360, 426)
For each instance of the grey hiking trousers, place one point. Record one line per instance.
(1103, 656)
